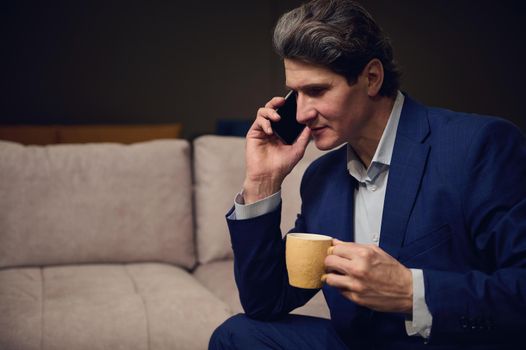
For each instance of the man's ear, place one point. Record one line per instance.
(374, 73)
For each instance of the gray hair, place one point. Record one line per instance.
(340, 35)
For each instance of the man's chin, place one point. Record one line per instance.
(325, 144)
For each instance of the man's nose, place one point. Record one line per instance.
(304, 111)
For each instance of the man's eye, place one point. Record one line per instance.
(315, 92)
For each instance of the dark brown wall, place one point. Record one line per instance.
(460, 54)
(71, 62)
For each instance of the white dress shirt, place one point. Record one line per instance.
(368, 209)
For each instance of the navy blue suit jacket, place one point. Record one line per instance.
(455, 207)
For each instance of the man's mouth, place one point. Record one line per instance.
(317, 130)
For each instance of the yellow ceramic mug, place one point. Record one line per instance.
(305, 256)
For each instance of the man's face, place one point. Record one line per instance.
(335, 111)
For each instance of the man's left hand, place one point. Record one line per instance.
(369, 276)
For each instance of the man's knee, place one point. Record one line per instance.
(225, 336)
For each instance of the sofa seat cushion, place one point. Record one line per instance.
(218, 277)
(127, 306)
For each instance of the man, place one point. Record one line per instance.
(427, 206)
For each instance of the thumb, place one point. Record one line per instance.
(303, 140)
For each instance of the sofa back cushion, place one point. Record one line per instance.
(94, 203)
(219, 166)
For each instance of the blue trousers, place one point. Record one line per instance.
(292, 332)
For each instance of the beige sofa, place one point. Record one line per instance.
(112, 246)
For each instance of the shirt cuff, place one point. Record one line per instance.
(421, 322)
(249, 211)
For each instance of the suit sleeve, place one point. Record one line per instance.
(259, 267)
(487, 306)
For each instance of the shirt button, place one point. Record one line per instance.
(375, 237)
(373, 188)
(464, 322)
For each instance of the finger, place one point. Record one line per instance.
(263, 119)
(346, 250)
(261, 127)
(268, 113)
(303, 140)
(355, 251)
(275, 102)
(334, 263)
(355, 267)
(336, 241)
(343, 282)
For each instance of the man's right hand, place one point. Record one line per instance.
(268, 159)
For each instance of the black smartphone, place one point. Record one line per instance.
(287, 128)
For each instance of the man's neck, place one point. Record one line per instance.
(365, 146)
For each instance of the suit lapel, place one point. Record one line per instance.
(337, 206)
(405, 175)
(341, 215)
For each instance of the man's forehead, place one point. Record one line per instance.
(300, 75)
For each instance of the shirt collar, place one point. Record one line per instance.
(382, 156)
